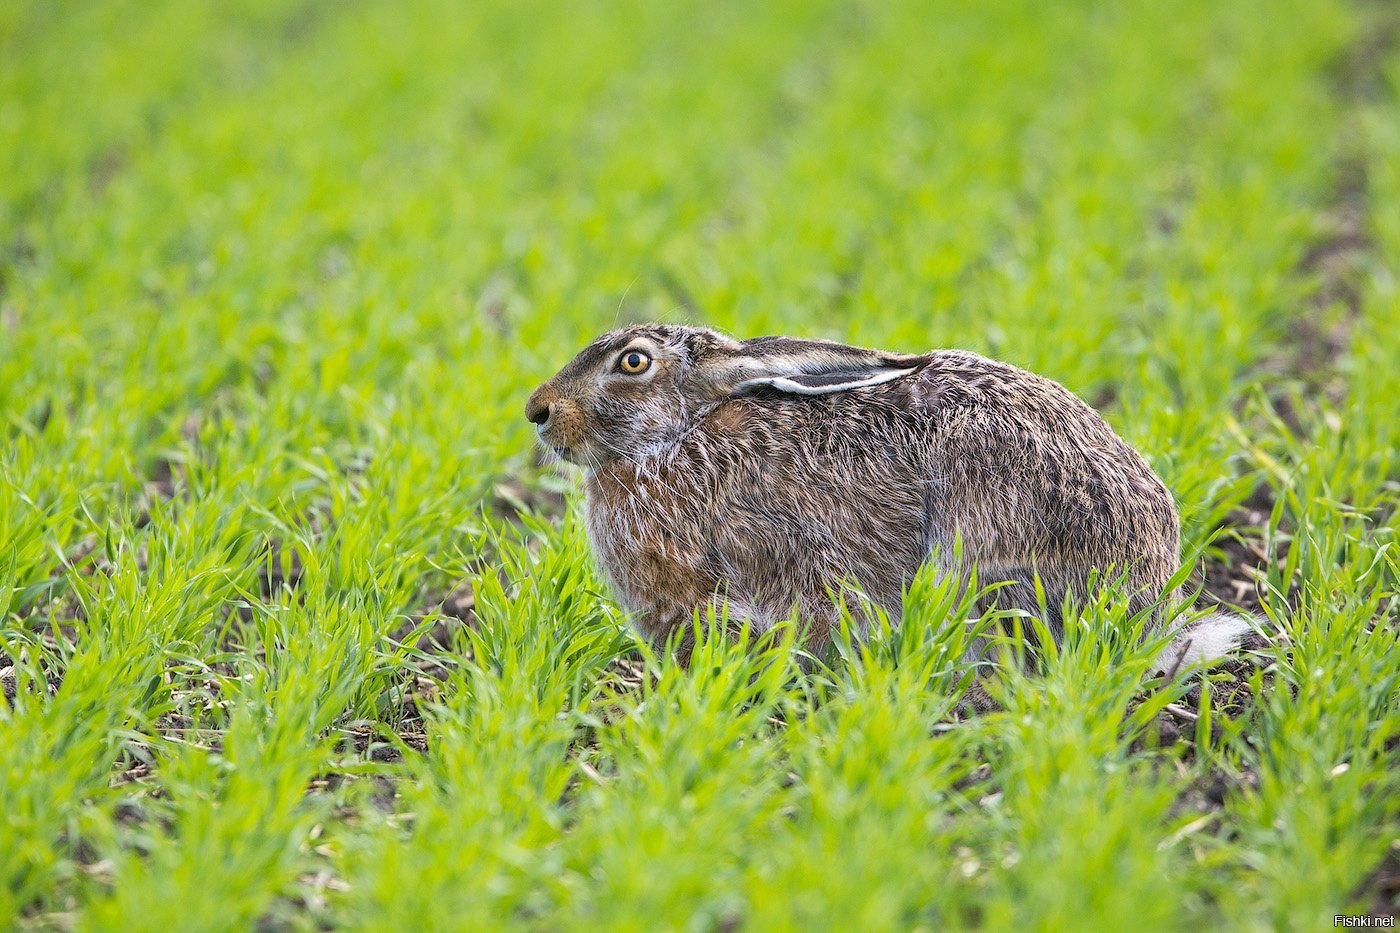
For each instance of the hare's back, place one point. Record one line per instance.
(1027, 466)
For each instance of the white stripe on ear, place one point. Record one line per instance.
(824, 383)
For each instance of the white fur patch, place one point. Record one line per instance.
(1204, 640)
(789, 384)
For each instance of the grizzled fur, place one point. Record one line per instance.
(772, 471)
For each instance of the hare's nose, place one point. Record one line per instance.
(537, 411)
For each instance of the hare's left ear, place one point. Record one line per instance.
(804, 367)
(824, 383)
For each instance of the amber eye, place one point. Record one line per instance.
(634, 362)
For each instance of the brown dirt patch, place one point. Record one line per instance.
(1381, 889)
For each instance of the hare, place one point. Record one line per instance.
(767, 473)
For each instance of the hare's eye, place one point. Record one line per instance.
(634, 362)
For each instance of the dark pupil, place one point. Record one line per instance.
(634, 360)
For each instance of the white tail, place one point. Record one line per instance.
(1205, 639)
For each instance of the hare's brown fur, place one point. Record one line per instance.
(736, 471)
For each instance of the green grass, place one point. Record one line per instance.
(275, 281)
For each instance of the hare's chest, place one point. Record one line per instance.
(651, 552)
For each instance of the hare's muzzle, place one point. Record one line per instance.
(538, 411)
(542, 405)
(557, 421)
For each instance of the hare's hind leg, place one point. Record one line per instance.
(1017, 591)
(1013, 591)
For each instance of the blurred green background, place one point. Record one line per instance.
(276, 279)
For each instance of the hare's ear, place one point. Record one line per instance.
(807, 367)
(825, 383)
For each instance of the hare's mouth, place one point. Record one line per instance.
(572, 448)
(583, 454)
(567, 454)
(544, 434)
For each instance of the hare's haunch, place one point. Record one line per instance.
(770, 472)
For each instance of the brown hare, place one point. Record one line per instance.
(770, 472)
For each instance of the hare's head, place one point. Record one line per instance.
(634, 392)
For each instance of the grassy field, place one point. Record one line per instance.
(295, 632)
